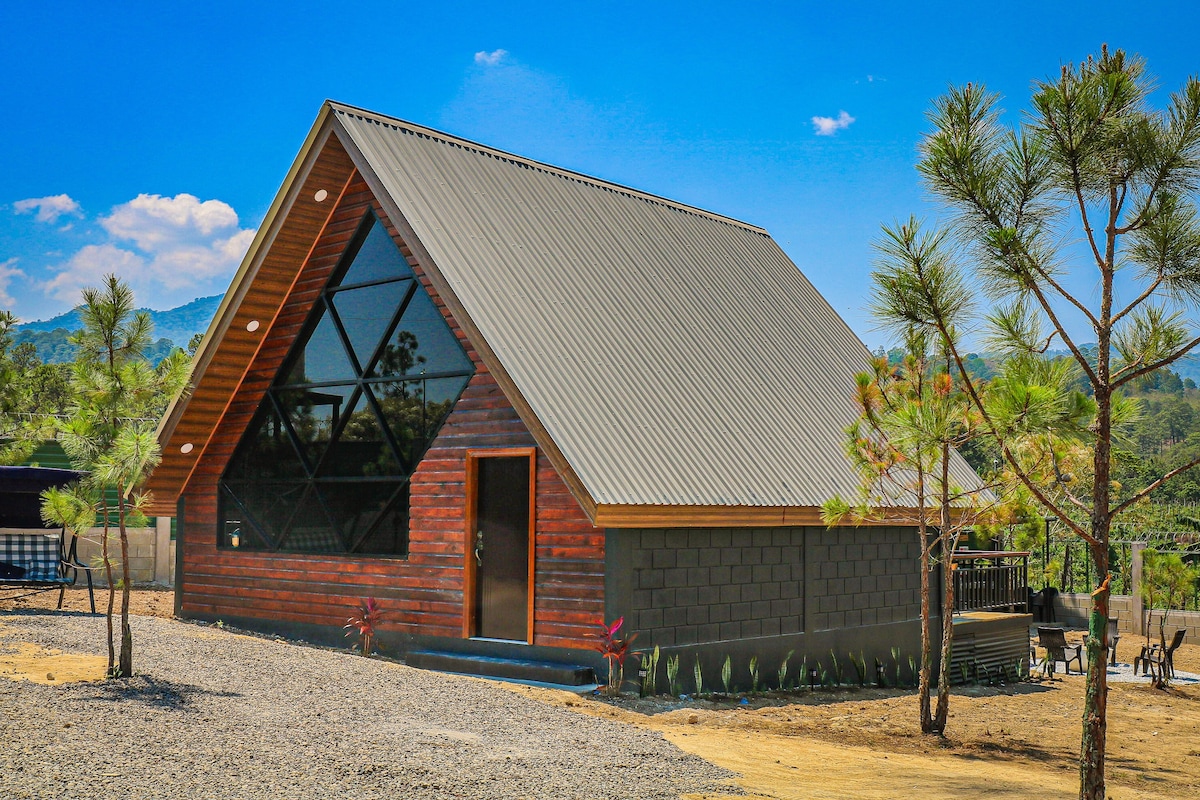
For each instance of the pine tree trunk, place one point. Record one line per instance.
(925, 678)
(946, 540)
(1095, 702)
(126, 662)
(108, 576)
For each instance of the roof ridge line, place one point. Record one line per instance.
(541, 166)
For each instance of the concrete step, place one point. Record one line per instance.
(494, 667)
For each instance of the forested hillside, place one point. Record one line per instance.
(172, 328)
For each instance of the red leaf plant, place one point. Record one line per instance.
(614, 650)
(364, 622)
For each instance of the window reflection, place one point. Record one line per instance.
(324, 466)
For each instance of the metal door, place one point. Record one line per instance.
(501, 548)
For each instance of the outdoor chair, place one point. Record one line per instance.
(1054, 641)
(1159, 662)
(1114, 636)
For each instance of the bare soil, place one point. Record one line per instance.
(1015, 741)
(146, 601)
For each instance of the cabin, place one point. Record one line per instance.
(510, 401)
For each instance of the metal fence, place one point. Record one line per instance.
(990, 580)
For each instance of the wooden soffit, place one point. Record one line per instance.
(275, 258)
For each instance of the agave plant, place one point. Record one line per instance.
(614, 649)
(364, 622)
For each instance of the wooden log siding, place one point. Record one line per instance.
(423, 593)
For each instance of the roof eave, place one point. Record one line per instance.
(245, 273)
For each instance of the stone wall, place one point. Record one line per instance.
(151, 553)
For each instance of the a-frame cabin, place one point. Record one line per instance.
(510, 401)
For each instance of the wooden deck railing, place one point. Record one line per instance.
(987, 580)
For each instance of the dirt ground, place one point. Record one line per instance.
(1018, 741)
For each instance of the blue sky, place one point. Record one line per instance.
(150, 139)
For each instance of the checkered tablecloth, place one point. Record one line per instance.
(37, 554)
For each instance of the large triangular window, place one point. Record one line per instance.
(324, 466)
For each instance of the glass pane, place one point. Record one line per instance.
(421, 343)
(403, 406)
(362, 448)
(356, 506)
(311, 530)
(236, 529)
(314, 415)
(377, 259)
(415, 410)
(265, 451)
(366, 314)
(389, 537)
(322, 357)
(440, 396)
(270, 505)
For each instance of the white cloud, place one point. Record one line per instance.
(49, 209)
(490, 59)
(828, 126)
(8, 271)
(89, 266)
(169, 249)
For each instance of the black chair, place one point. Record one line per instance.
(1054, 641)
(1159, 662)
(1114, 636)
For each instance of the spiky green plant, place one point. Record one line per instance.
(650, 664)
(698, 676)
(783, 670)
(727, 674)
(754, 674)
(837, 668)
(673, 674)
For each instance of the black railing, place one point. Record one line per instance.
(986, 580)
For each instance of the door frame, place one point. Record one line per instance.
(473, 457)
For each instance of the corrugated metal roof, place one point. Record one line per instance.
(676, 357)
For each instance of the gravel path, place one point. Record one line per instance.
(216, 714)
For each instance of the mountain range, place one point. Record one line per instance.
(172, 328)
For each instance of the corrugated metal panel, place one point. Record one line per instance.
(675, 357)
(989, 646)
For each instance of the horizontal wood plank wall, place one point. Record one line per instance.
(423, 593)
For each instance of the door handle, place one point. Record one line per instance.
(479, 548)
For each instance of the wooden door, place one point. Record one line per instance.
(500, 544)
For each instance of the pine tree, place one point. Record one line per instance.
(1091, 162)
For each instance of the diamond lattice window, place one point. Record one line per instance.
(325, 465)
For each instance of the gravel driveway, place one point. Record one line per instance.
(216, 714)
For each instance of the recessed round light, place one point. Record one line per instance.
(187, 448)
(320, 195)
(252, 325)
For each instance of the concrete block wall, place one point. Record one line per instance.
(151, 553)
(708, 585)
(861, 576)
(698, 585)
(1073, 610)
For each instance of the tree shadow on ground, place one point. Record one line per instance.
(150, 691)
